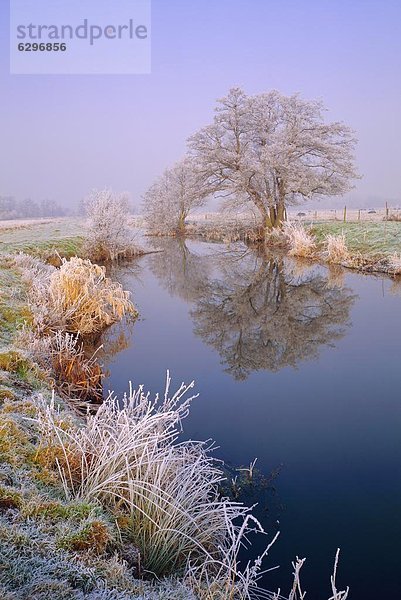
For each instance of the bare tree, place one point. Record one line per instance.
(170, 199)
(108, 236)
(269, 151)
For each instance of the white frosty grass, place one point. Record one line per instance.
(336, 248)
(302, 244)
(77, 297)
(395, 263)
(127, 456)
(300, 241)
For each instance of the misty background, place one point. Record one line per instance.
(62, 135)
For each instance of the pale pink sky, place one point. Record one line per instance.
(63, 135)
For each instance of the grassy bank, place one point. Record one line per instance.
(369, 246)
(371, 240)
(89, 505)
(51, 546)
(44, 239)
(107, 506)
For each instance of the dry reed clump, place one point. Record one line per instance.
(85, 299)
(164, 493)
(276, 238)
(336, 249)
(62, 356)
(68, 304)
(77, 376)
(130, 461)
(395, 263)
(300, 242)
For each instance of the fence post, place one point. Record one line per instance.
(345, 213)
(359, 214)
(386, 211)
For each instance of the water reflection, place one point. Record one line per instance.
(260, 312)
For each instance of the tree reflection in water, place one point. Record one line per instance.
(259, 311)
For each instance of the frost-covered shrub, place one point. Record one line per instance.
(108, 236)
(67, 304)
(77, 297)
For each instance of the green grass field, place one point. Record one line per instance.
(64, 236)
(373, 240)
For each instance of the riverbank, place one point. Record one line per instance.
(365, 246)
(84, 515)
(50, 547)
(53, 543)
(373, 247)
(86, 506)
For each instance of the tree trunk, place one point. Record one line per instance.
(181, 223)
(279, 206)
(273, 216)
(280, 211)
(277, 215)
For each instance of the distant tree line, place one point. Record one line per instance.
(11, 208)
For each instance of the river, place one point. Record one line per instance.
(297, 365)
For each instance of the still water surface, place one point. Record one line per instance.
(298, 366)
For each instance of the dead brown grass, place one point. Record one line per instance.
(85, 299)
(336, 249)
(300, 242)
(69, 306)
(76, 375)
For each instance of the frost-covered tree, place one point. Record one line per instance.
(270, 151)
(108, 236)
(169, 200)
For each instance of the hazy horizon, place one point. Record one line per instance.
(63, 135)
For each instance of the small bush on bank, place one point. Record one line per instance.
(108, 236)
(77, 297)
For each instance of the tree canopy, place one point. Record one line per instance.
(270, 151)
(169, 200)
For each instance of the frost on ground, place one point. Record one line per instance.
(107, 506)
